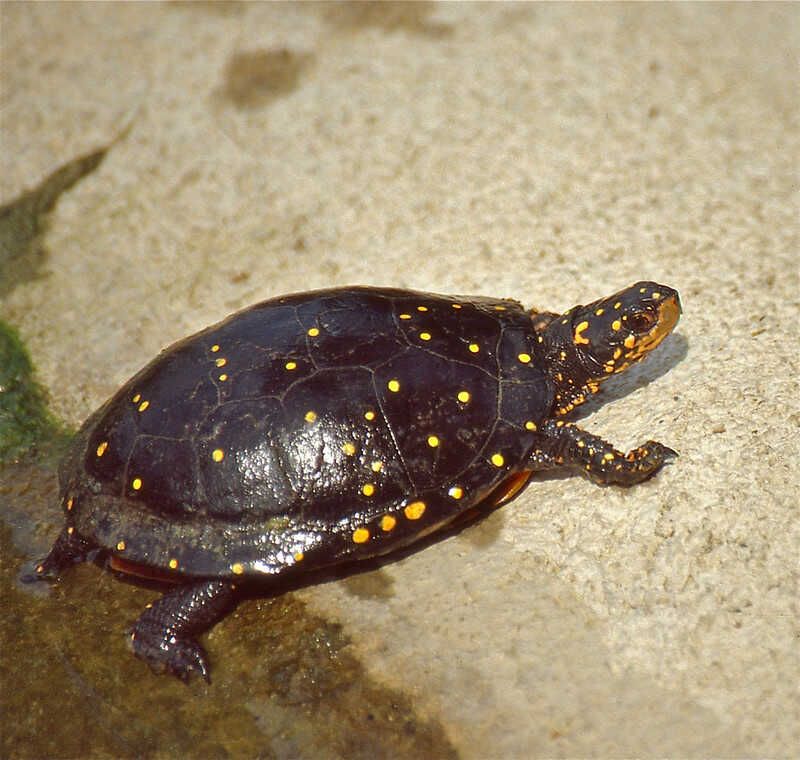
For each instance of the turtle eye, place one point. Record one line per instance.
(641, 321)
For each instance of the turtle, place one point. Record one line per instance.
(320, 428)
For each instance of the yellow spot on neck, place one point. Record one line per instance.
(101, 449)
(70, 530)
(530, 425)
(173, 564)
(290, 365)
(393, 385)
(456, 492)
(498, 460)
(368, 489)
(120, 546)
(370, 415)
(474, 348)
(313, 332)
(237, 568)
(405, 316)
(70, 504)
(311, 416)
(221, 362)
(433, 441)
(463, 396)
(136, 484)
(360, 535)
(577, 337)
(223, 377)
(524, 358)
(425, 336)
(218, 455)
(387, 523)
(415, 510)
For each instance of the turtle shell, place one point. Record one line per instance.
(307, 430)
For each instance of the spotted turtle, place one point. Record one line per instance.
(318, 428)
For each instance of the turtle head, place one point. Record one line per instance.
(596, 341)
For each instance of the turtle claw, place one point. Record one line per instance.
(166, 652)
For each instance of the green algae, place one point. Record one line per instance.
(25, 421)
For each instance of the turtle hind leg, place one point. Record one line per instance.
(164, 634)
(69, 549)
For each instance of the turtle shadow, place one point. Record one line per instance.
(672, 352)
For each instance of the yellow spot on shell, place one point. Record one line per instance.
(368, 489)
(498, 460)
(70, 504)
(577, 337)
(136, 398)
(360, 535)
(616, 324)
(223, 377)
(313, 332)
(425, 336)
(215, 348)
(370, 415)
(463, 396)
(221, 362)
(101, 449)
(530, 425)
(173, 564)
(599, 312)
(70, 530)
(524, 358)
(143, 405)
(618, 304)
(499, 308)
(299, 556)
(136, 484)
(218, 455)
(290, 365)
(349, 448)
(237, 568)
(311, 416)
(474, 348)
(630, 341)
(376, 466)
(415, 510)
(422, 308)
(405, 316)
(456, 305)
(608, 456)
(433, 441)
(617, 353)
(387, 523)
(120, 546)
(455, 492)
(393, 385)
(655, 295)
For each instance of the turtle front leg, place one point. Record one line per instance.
(69, 549)
(163, 636)
(566, 445)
